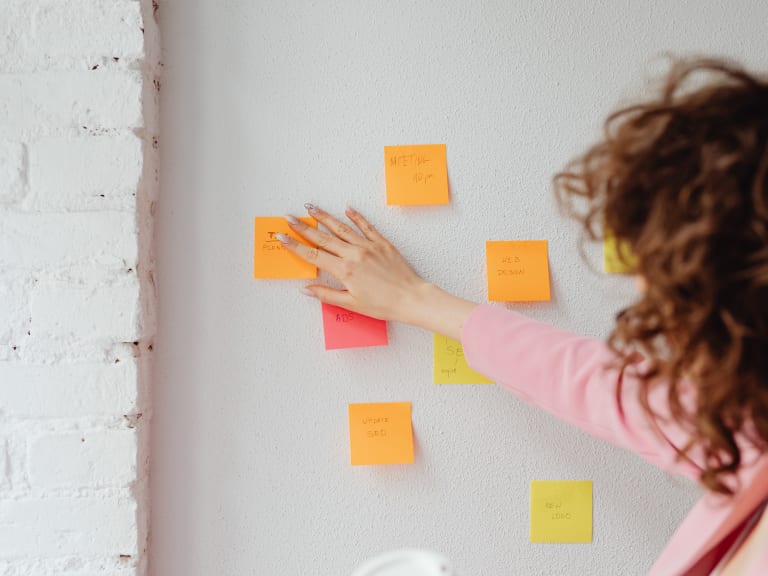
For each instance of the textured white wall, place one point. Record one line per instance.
(78, 117)
(276, 104)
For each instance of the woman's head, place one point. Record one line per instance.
(682, 180)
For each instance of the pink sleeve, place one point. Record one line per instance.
(567, 375)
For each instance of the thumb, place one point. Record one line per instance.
(330, 295)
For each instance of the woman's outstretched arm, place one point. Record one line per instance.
(562, 373)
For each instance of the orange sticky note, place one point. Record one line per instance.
(518, 270)
(345, 329)
(416, 175)
(381, 433)
(273, 260)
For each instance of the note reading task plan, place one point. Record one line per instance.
(451, 366)
(345, 329)
(381, 433)
(416, 175)
(518, 270)
(561, 511)
(273, 260)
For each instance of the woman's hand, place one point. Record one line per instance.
(378, 280)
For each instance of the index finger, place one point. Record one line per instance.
(311, 254)
(366, 228)
(340, 229)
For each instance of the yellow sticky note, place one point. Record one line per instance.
(518, 270)
(381, 433)
(416, 175)
(451, 366)
(273, 260)
(561, 511)
(613, 250)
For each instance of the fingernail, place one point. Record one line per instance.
(307, 292)
(291, 219)
(310, 207)
(351, 211)
(282, 237)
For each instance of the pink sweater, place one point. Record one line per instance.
(566, 375)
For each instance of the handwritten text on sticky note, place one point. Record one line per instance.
(381, 433)
(518, 270)
(416, 175)
(451, 366)
(273, 260)
(561, 511)
(345, 329)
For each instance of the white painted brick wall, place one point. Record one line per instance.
(98, 313)
(82, 460)
(30, 241)
(68, 391)
(78, 177)
(4, 477)
(12, 169)
(85, 173)
(60, 34)
(68, 103)
(57, 526)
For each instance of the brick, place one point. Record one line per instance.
(12, 172)
(51, 527)
(68, 391)
(4, 459)
(97, 172)
(50, 33)
(14, 28)
(57, 241)
(86, 459)
(64, 567)
(56, 103)
(87, 28)
(102, 313)
(69, 566)
(14, 309)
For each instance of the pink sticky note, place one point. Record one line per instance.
(345, 329)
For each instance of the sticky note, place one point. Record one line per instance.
(561, 511)
(381, 433)
(518, 270)
(346, 329)
(613, 250)
(416, 175)
(273, 260)
(451, 366)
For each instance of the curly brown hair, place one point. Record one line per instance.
(682, 181)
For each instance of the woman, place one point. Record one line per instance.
(682, 181)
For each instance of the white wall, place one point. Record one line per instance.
(77, 177)
(269, 105)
